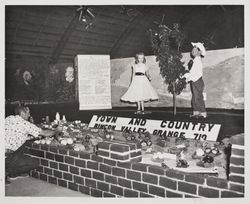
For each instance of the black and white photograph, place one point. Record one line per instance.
(124, 100)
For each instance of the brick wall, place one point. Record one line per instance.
(100, 177)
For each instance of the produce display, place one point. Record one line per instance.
(169, 152)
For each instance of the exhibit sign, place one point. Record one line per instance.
(94, 90)
(165, 128)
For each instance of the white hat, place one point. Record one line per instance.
(200, 46)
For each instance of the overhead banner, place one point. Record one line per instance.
(192, 130)
(94, 90)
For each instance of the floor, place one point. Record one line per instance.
(36, 188)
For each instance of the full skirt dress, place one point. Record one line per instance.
(140, 89)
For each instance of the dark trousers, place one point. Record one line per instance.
(18, 163)
(197, 101)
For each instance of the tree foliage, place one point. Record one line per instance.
(166, 43)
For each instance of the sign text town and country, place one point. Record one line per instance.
(167, 128)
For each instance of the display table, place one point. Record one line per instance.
(98, 176)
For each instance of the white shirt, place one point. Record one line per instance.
(196, 70)
(17, 130)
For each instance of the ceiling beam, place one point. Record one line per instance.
(64, 38)
(129, 28)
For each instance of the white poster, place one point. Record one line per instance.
(94, 91)
(166, 128)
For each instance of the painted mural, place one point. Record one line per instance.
(223, 75)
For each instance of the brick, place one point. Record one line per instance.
(95, 193)
(110, 162)
(157, 191)
(69, 160)
(134, 175)
(36, 146)
(118, 171)
(208, 192)
(130, 193)
(189, 196)
(78, 180)
(124, 182)
(63, 151)
(237, 139)
(84, 155)
(217, 182)
(116, 190)
(119, 157)
(126, 165)
(44, 162)
(90, 183)
(63, 167)
(28, 144)
(74, 170)
(40, 169)
(84, 189)
(38, 153)
(35, 174)
(50, 156)
(171, 194)
(119, 148)
(140, 167)
(59, 158)
(156, 170)
(135, 154)
(140, 187)
(239, 152)
(237, 170)
(45, 147)
(237, 161)
(235, 187)
(73, 186)
(173, 174)
(92, 165)
(194, 179)
(48, 171)
(98, 175)
(102, 153)
(62, 183)
(86, 173)
(111, 179)
(96, 158)
(106, 195)
(230, 194)
(136, 160)
(73, 153)
(67, 176)
(105, 168)
(148, 178)
(103, 186)
(57, 174)
(80, 163)
(53, 149)
(104, 145)
(144, 195)
(238, 179)
(186, 187)
(43, 177)
(168, 183)
(53, 165)
(52, 180)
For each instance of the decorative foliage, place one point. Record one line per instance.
(166, 43)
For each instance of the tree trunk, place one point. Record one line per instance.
(174, 98)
